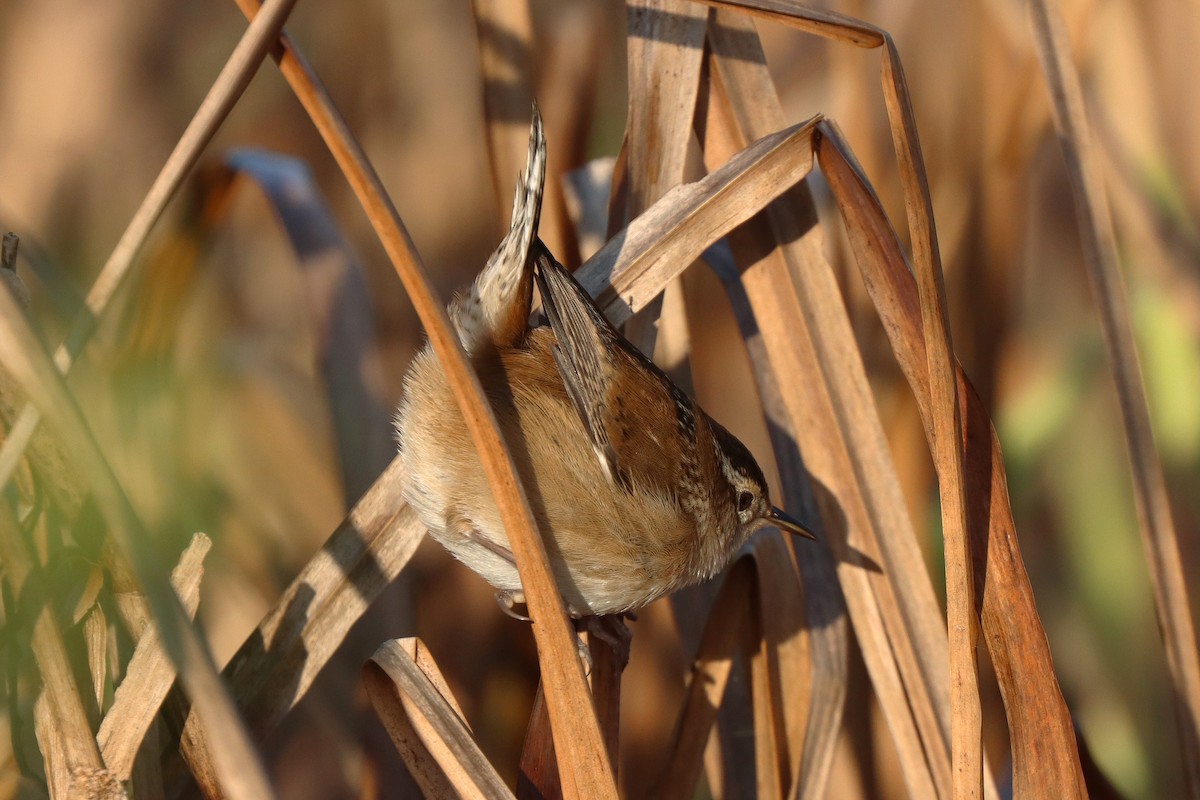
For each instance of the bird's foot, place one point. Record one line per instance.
(610, 629)
(508, 602)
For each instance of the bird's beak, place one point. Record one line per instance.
(790, 524)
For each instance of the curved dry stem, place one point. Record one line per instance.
(962, 617)
(583, 759)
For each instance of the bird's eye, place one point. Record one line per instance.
(744, 501)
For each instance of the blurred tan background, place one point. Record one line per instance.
(206, 391)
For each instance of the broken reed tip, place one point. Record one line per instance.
(8, 251)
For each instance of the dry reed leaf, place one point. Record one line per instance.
(506, 65)
(53, 748)
(241, 773)
(570, 74)
(963, 622)
(62, 724)
(585, 765)
(95, 641)
(277, 664)
(539, 771)
(807, 335)
(780, 665)
(894, 612)
(665, 51)
(64, 778)
(665, 47)
(706, 685)
(1157, 526)
(824, 607)
(636, 264)
(415, 705)
(149, 674)
(1044, 754)
(962, 616)
(339, 306)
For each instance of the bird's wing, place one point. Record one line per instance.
(637, 420)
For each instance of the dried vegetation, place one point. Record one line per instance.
(251, 340)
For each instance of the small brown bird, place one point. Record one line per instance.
(636, 490)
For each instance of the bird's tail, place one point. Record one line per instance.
(495, 310)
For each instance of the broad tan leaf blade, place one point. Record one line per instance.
(664, 53)
(539, 770)
(962, 617)
(1159, 538)
(277, 664)
(339, 306)
(711, 667)
(150, 674)
(964, 712)
(638, 262)
(779, 667)
(664, 50)
(426, 725)
(582, 757)
(824, 606)
(809, 341)
(1044, 754)
(96, 644)
(238, 769)
(507, 63)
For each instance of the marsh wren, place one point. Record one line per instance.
(637, 492)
